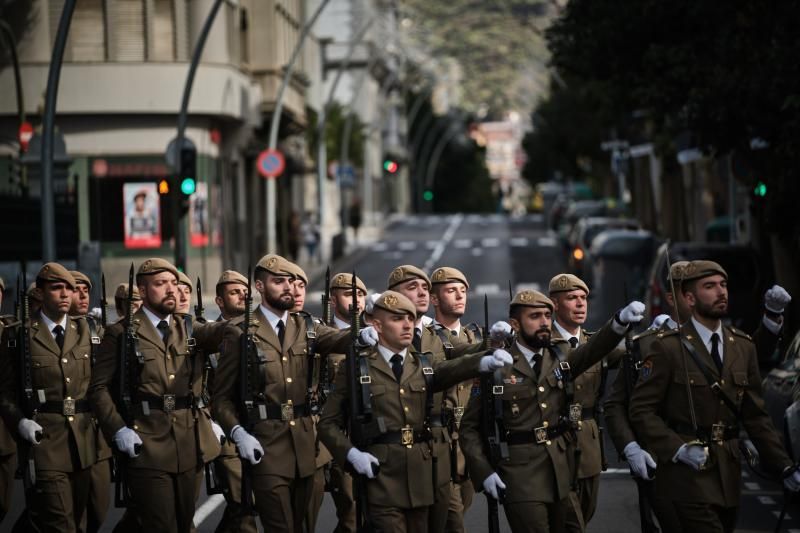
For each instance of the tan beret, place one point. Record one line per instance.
(231, 276)
(275, 264)
(183, 279)
(345, 281)
(80, 277)
(122, 292)
(531, 298)
(298, 272)
(56, 272)
(396, 303)
(566, 283)
(156, 265)
(448, 275)
(702, 269)
(405, 273)
(34, 293)
(677, 269)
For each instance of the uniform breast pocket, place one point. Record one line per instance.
(151, 371)
(516, 392)
(45, 371)
(741, 384)
(696, 379)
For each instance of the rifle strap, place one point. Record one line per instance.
(474, 333)
(191, 345)
(427, 373)
(311, 351)
(716, 388)
(446, 344)
(364, 381)
(94, 339)
(563, 374)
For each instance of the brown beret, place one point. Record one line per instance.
(156, 265)
(405, 273)
(448, 275)
(702, 269)
(566, 283)
(56, 272)
(231, 276)
(396, 303)
(80, 277)
(34, 293)
(298, 272)
(275, 264)
(345, 281)
(531, 298)
(676, 270)
(183, 279)
(122, 292)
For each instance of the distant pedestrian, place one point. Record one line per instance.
(354, 216)
(310, 233)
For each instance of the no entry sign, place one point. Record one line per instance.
(271, 163)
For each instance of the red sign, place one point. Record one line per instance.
(270, 163)
(25, 134)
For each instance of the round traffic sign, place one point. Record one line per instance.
(25, 134)
(270, 163)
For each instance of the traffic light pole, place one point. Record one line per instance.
(179, 220)
(48, 126)
(8, 35)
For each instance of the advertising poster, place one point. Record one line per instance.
(198, 216)
(142, 216)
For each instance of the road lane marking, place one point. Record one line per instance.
(407, 246)
(546, 241)
(437, 252)
(380, 247)
(518, 242)
(462, 243)
(431, 245)
(208, 508)
(477, 251)
(766, 500)
(490, 242)
(750, 485)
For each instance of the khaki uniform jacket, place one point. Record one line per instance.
(8, 445)
(69, 442)
(405, 480)
(169, 440)
(532, 472)
(659, 402)
(289, 446)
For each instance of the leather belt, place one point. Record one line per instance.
(438, 422)
(587, 413)
(66, 407)
(167, 403)
(540, 435)
(285, 411)
(407, 436)
(713, 433)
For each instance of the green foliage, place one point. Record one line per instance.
(334, 133)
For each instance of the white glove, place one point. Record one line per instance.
(218, 432)
(692, 455)
(638, 460)
(247, 445)
(776, 299)
(362, 462)
(28, 429)
(96, 313)
(369, 304)
(631, 313)
(792, 482)
(494, 485)
(368, 336)
(501, 331)
(126, 440)
(499, 359)
(659, 321)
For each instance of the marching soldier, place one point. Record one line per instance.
(8, 448)
(166, 440)
(300, 286)
(535, 397)
(51, 414)
(184, 294)
(570, 304)
(698, 386)
(449, 299)
(400, 382)
(120, 300)
(283, 434)
(34, 298)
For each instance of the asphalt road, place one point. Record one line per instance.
(493, 251)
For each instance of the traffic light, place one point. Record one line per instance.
(760, 189)
(163, 187)
(390, 165)
(427, 195)
(187, 178)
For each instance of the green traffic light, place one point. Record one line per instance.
(188, 186)
(760, 189)
(427, 196)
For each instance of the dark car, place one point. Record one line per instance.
(749, 275)
(583, 233)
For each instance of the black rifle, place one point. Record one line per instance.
(127, 385)
(495, 447)
(28, 401)
(246, 397)
(103, 302)
(198, 307)
(326, 298)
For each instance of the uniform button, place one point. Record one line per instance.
(169, 357)
(461, 387)
(292, 422)
(580, 424)
(86, 356)
(68, 380)
(722, 381)
(64, 360)
(402, 391)
(171, 377)
(544, 405)
(578, 387)
(174, 419)
(541, 389)
(135, 427)
(71, 418)
(288, 380)
(405, 409)
(691, 382)
(545, 423)
(284, 358)
(548, 442)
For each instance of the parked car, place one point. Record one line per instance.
(583, 233)
(616, 269)
(781, 386)
(607, 207)
(749, 275)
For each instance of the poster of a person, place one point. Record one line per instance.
(142, 215)
(198, 216)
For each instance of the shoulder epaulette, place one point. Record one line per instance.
(739, 333)
(645, 333)
(668, 333)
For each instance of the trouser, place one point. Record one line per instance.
(703, 518)
(99, 495)
(57, 503)
(461, 494)
(315, 500)
(164, 501)
(282, 502)
(438, 512)
(229, 468)
(342, 494)
(8, 465)
(396, 520)
(583, 504)
(536, 517)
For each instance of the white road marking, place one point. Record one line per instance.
(477, 251)
(490, 242)
(462, 243)
(488, 289)
(787, 516)
(750, 485)
(546, 241)
(380, 247)
(431, 245)
(437, 252)
(766, 500)
(527, 287)
(407, 246)
(518, 242)
(208, 508)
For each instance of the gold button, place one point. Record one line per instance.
(64, 360)
(405, 409)
(169, 357)
(544, 405)
(691, 382)
(461, 387)
(548, 442)
(402, 391)
(722, 381)
(580, 424)
(174, 419)
(545, 423)
(86, 356)
(284, 358)
(71, 418)
(135, 426)
(288, 380)
(541, 389)
(68, 380)
(172, 376)
(292, 422)
(578, 387)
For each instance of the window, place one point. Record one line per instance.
(162, 31)
(127, 30)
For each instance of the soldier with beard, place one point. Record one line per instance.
(695, 434)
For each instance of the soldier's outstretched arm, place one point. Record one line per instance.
(449, 373)
(471, 442)
(104, 387)
(226, 380)
(333, 419)
(598, 346)
(332, 340)
(208, 335)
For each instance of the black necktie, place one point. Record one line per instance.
(417, 340)
(163, 327)
(397, 366)
(59, 336)
(715, 351)
(573, 341)
(281, 331)
(537, 364)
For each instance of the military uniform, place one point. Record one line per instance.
(400, 496)
(537, 471)
(8, 447)
(177, 438)
(60, 378)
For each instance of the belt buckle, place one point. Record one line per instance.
(68, 407)
(407, 436)
(718, 433)
(575, 411)
(169, 403)
(458, 412)
(540, 434)
(497, 390)
(287, 411)
(364, 380)
(564, 366)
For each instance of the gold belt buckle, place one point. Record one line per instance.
(458, 412)
(718, 433)
(169, 403)
(575, 411)
(287, 411)
(407, 436)
(68, 407)
(540, 434)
